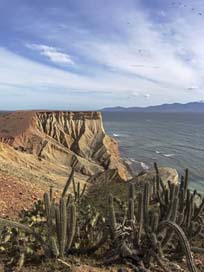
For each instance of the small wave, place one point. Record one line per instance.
(144, 166)
(116, 135)
(169, 155)
(132, 160)
(128, 162)
(158, 152)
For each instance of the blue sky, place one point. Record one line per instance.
(82, 55)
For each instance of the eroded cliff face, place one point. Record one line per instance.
(68, 138)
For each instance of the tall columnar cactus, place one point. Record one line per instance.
(63, 218)
(63, 226)
(78, 193)
(54, 246)
(141, 229)
(186, 182)
(131, 210)
(47, 204)
(71, 225)
(179, 204)
(146, 204)
(51, 192)
(140, 218)
(61, 222)
(163, 212)
(112, 217)
(131, 191)
(183, 242)
(69, 180)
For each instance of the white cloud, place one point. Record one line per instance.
(193, 88)
(135, 94)
(52, 53)
(144, 60)
(158, 61)
(147, 96)
(32, 74)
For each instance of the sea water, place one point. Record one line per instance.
(171, 139)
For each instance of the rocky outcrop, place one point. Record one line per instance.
(68, 138)
(166, 174)
(110, 175)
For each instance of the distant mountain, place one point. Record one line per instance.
(175, 107)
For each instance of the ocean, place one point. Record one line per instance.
(171, 139)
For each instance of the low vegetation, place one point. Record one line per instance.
(148, 230)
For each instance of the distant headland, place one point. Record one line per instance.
(175, 107)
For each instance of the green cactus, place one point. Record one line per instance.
(47, 204)
(63, 226)
(51, 192)
(199, 210)
(140, 216)
(131, 210)
(146, 204)
(69, 200)
(131, 191)
(186, 182)
(71, 225)
(83, 191)
(183, 242)
(57, 220)
(54, 247)
(155, 222)
(112, 217)
(78, 193)
(69, 180)
(26, 229)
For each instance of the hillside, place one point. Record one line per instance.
(65, 138)
(39, 148)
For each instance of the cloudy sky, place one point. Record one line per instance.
(89, 54)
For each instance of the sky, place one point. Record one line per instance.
(90, 54)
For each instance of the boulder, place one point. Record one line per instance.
(166, 174)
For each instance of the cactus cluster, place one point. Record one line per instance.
(58, 226)
(146, 229)
(61, 224)
(157, 221)
(180, 205)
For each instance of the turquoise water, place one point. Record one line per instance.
(171, 139)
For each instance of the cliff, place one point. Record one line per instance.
(67, 138)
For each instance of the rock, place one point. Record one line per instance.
(166, 174)
(110, 175)
(68, 138)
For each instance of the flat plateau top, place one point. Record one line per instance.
(14, 123)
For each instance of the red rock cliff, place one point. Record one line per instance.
(67, 138)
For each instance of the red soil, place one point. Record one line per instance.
(16, 195)
(14, 123)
